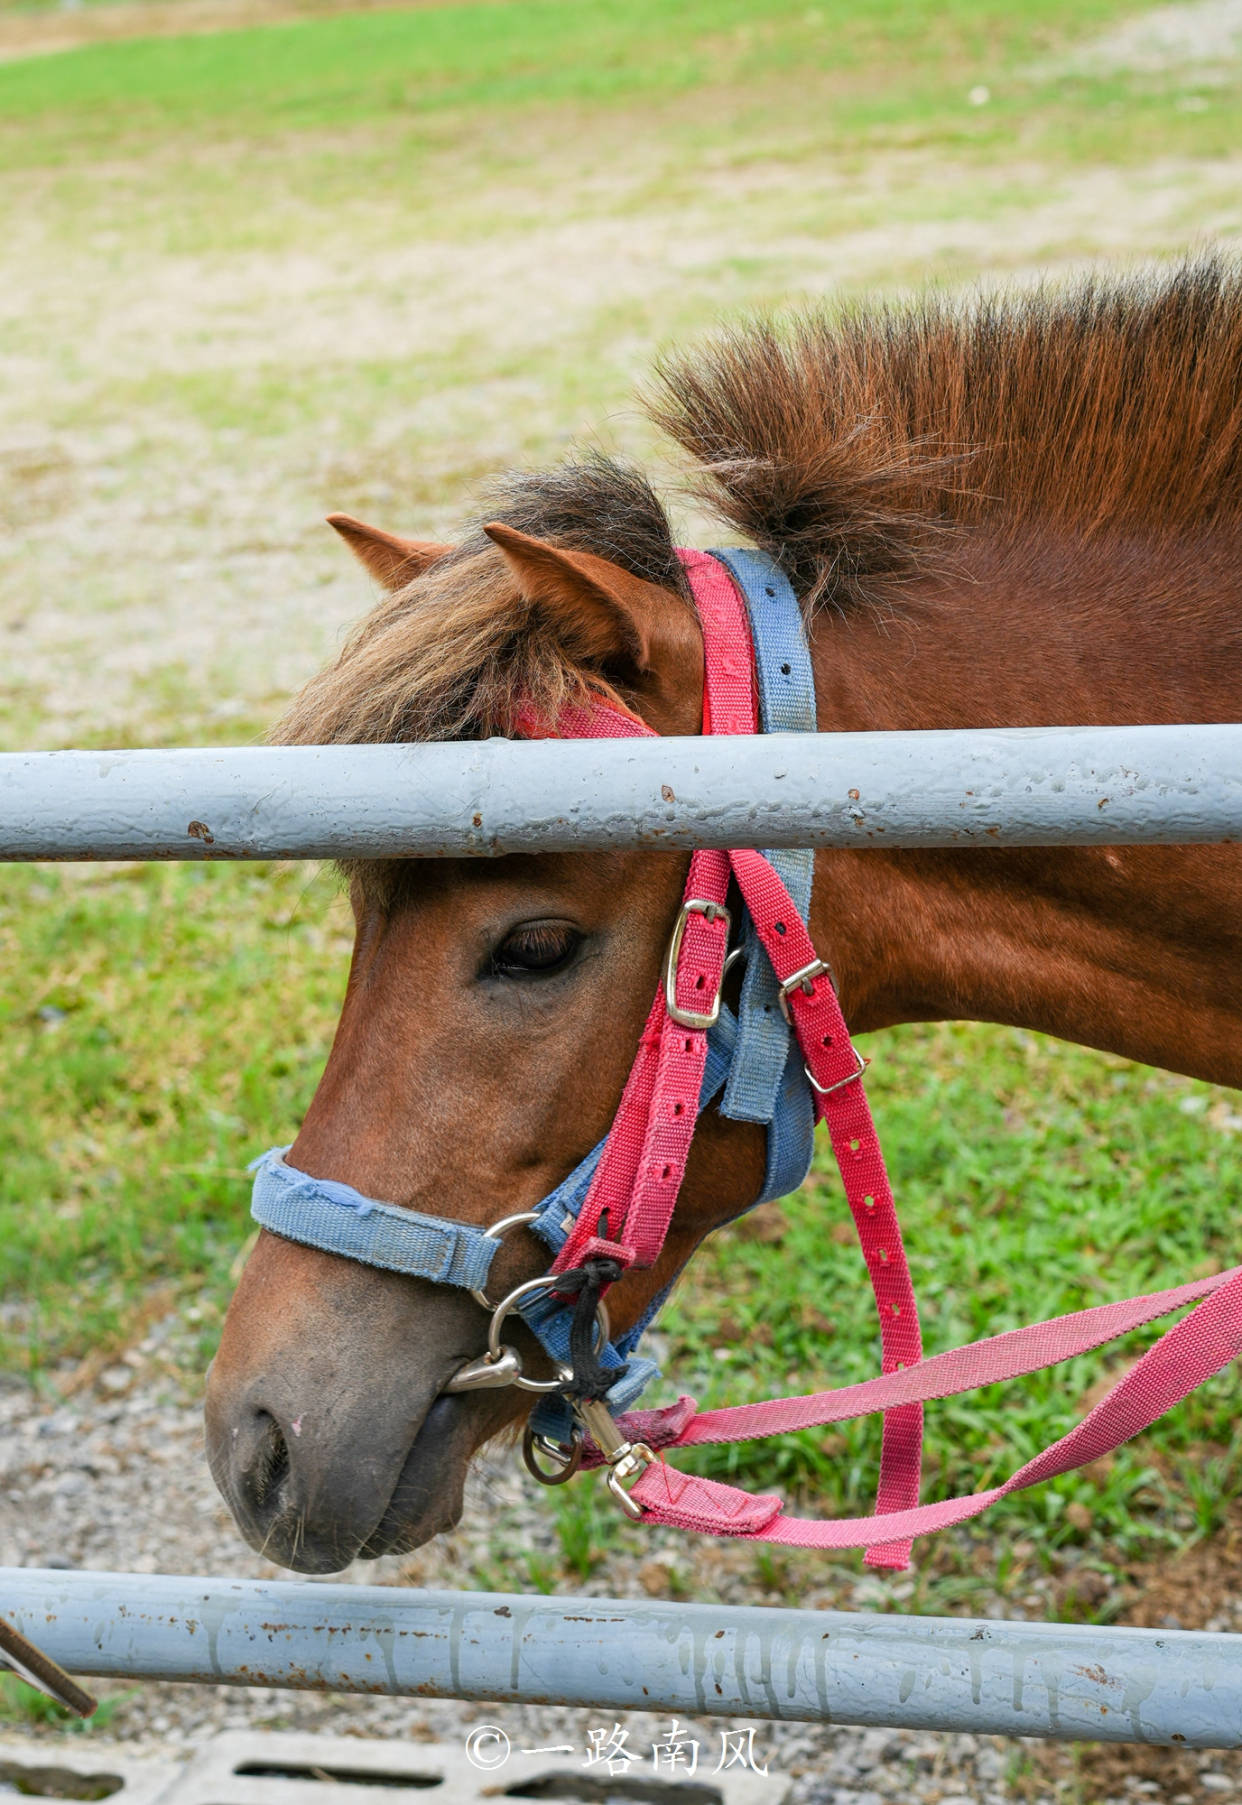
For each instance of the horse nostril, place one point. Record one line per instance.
(270, 1465)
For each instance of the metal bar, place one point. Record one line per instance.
(1068, 786)
(31, 1665)
(918, 1673)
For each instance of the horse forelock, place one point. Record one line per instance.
(458, 652)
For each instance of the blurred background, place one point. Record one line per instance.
(260, 260)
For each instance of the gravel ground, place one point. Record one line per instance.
(115, 1478)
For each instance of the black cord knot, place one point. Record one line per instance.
(586, 1284)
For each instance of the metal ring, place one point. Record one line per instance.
(566, 1464)
(497, 1232)
(509, 1303)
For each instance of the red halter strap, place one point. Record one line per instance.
(629, 1206)
(644, 1160)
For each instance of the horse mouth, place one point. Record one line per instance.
(314, 1518)
(427, 1499)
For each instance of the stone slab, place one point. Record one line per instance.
(285, 1768)
(82, 1768)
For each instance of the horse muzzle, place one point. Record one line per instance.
(328, 1431)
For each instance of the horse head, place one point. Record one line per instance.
(492, 1014)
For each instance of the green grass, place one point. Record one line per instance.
(24, 1708)
(147, 1038)
(892, 73)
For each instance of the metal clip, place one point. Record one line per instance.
(600, 1424)
(711, 911)
(629, 1466)
(625, 1460)
(502, 1364)
(488, 1372)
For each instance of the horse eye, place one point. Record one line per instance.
(540, 949)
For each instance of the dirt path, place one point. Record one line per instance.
(1205, 35)
(171, 576)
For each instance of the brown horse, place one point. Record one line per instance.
(1022, 513)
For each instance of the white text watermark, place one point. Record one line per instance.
(611, 1750)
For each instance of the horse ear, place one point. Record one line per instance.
(393, 560)
(598, 609)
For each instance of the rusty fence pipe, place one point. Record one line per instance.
(1043, 786)
(918, 1673)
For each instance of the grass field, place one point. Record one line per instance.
(362, 260)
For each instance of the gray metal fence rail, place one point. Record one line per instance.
(919, 1673)
(1073, 786)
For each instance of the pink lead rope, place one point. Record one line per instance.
(628, 1208)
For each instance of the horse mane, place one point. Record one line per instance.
(856, 448)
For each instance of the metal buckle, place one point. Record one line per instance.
(804, 981)
(711, 911)
(826, 1090)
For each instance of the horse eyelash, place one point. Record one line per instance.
(550, 949)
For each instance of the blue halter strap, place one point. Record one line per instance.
(751, 1059)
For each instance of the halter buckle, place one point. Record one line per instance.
(691, 1018)
(826, 1090)
(804, 981)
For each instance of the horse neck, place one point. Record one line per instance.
(1131, 949)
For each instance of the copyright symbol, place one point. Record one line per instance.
(487, 1746)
